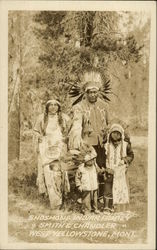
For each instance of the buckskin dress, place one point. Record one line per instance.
(50, 149)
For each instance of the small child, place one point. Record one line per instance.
(57, 184)
(119, 155)
(87, 183)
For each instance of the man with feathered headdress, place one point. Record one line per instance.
(90, 116)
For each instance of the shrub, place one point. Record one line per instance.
(22, 175)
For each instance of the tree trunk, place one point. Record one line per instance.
(14, 88)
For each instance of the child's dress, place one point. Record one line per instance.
(57, 183)
(114, 162)
(53, 180)
(116, 189)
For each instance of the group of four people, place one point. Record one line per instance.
(105, 149)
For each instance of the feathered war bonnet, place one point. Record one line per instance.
(91, 79)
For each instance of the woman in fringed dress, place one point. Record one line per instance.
(50, 131)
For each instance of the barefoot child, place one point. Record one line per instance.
(119, 155)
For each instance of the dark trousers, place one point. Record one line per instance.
(108, 197)
(101, 157)
(89, 200)
(101, 161)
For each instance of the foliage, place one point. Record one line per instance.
(51, 50)
(74, 41)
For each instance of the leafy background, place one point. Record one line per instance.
(47, 52)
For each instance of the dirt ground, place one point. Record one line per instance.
(31, 220)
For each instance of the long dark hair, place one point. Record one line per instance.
(60, 117)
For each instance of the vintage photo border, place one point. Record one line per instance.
(5, 6)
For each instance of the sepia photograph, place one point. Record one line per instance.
(78, 126)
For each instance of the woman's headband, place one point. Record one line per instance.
(53, 102)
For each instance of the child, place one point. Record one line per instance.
(57, 183)
(119, 155)
(86, 182)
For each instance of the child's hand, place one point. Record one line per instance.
(125, 160)
(80, 188)
(105, 177)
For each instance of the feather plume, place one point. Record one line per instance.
(103, 95)
(79, 90)
(78, 99)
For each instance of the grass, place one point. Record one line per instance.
(24, 200)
